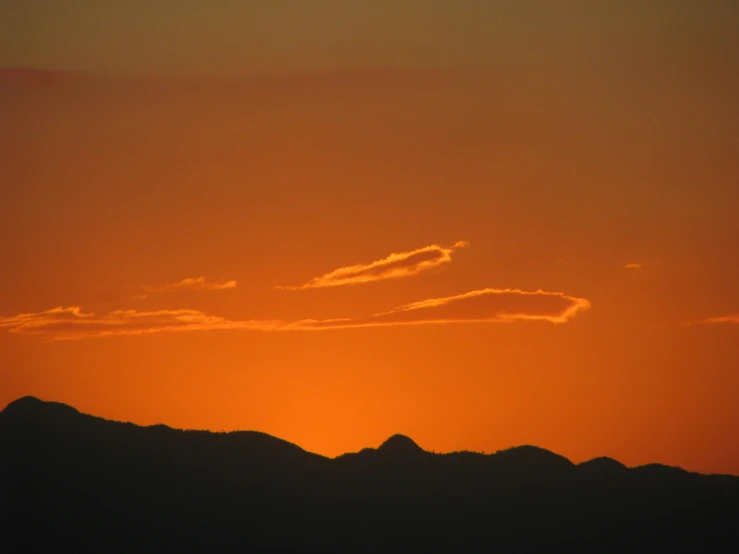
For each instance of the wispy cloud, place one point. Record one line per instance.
(730, 318)
(72, 323)
(638, 267)
(487, 305)
(190, 283)
(394, 266)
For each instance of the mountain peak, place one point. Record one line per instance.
(603, 464)
(25, 403)
(400, 444)
(30, 405)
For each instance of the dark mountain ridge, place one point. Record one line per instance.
(75, 481)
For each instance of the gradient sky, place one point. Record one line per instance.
(480, 224)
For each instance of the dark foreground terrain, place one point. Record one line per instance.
(71, 482)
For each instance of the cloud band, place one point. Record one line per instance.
(481, 306)
(394, 266)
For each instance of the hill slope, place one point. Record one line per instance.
(75, 482)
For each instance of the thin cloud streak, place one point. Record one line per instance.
(481, 306)
(394, 266)
(190, 283)
(730, 318)
(72, 323)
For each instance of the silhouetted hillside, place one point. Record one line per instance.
(76, 483)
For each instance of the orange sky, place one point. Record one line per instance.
(215, 228)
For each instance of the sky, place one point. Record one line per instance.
(479, 224)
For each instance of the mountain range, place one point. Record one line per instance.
(73, 482)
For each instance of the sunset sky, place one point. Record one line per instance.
(478, 223)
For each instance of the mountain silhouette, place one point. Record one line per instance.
(72, 482)
(400, 445)
(603, 466)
